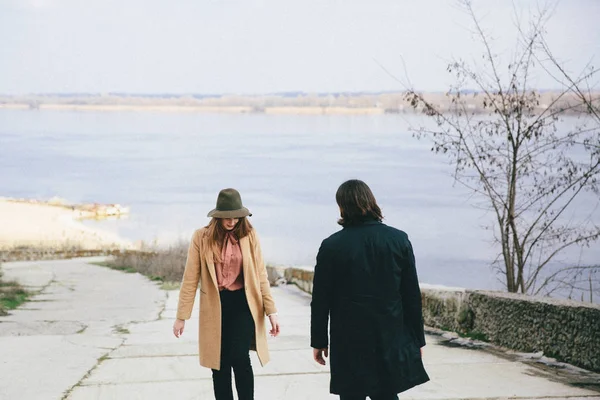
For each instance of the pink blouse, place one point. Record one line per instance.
(229, 271)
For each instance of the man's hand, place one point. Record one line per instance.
(319, 353)
(274, 325)
(178, 327)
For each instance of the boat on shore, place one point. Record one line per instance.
(100, 211)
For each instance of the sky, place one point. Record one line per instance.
(265, 46)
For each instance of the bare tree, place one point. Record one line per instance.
(510, 143)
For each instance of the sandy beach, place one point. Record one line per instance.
(46, 226)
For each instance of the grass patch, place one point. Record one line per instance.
(158, 264)
(129, 270)
(82, 330)
(12, 295)
(122, 268)
(170, 286)
(475, 336)
(103, 358)
(122, 331)
(101, 263)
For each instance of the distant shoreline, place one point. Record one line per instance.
(290, 103)
(279, 110)
(41, 225)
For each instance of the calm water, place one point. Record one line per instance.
(170, 167)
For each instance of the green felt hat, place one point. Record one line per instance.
(229, 205)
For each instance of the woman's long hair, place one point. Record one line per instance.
(216, 234)
(357, 203)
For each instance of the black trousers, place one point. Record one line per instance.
(237, 332)
(391, 396)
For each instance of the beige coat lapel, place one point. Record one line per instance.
(245, 246)
(210, 263)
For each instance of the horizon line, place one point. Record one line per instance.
(223, 94)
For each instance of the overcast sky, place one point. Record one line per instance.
(261, 46)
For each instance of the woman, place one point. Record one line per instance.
(225, 260)
(366, 289)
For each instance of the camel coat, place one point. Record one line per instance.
(200, 272)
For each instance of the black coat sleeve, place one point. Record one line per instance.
(411, 296)
(321, 300)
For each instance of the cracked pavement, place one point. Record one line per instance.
(126, 349)
(48, 344)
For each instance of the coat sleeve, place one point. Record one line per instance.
(320, 305)
(411, 297)
(265, 286)
(191, 276)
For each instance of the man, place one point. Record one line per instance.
(366, 283)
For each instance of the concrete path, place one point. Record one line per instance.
(50, 343)
(127, 350)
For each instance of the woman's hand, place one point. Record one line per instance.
(274, 325)
(178, 327)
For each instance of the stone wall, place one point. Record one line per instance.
(566, 330)
(301, 277)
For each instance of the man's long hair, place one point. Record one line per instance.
(357, 203)
(216, 234)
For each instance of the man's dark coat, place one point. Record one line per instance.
(365, 281)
